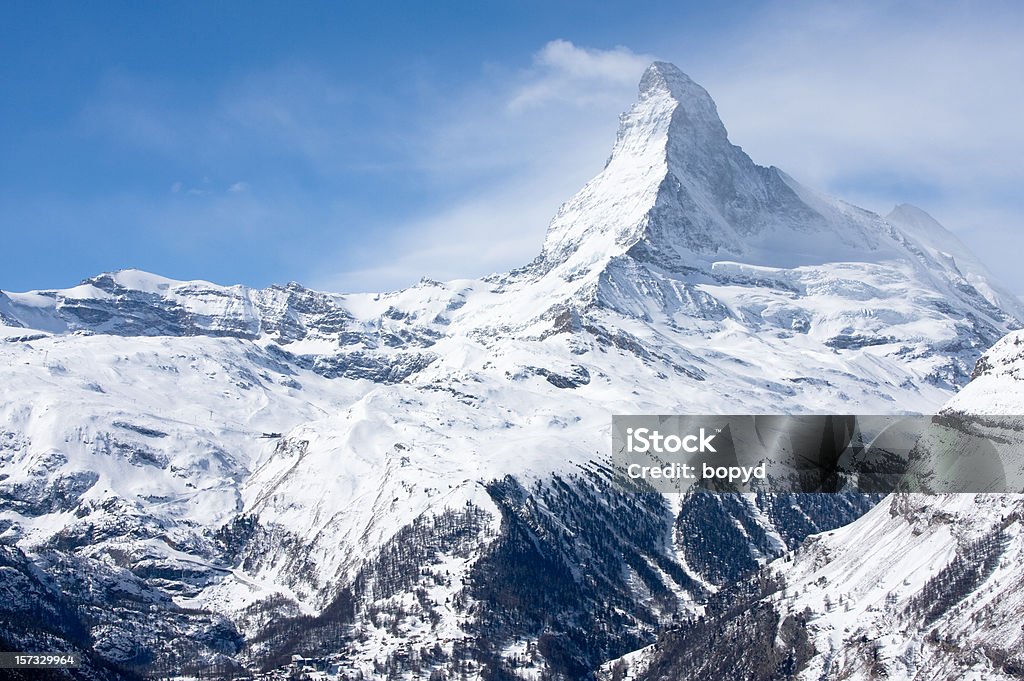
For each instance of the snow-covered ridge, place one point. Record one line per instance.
(678, 220)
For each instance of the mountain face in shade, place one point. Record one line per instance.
(417, 481)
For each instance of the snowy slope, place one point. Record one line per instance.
(920, 587)
(931, 236)
(433, 452)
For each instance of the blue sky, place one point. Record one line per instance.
(359, 146)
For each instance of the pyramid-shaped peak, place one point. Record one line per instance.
(665, 84)
(677, 193)
(670, 143)
(661, 77)
(665, 77)
(907, 212)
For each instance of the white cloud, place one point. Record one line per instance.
(577, 75)
(494, 231)
(843, 89)
(509, 151)
(617, 65)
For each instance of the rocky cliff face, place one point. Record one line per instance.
(416, 482)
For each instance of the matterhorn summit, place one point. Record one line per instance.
(676, 192)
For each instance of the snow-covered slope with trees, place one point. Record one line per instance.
(920, 587)
(416, 481)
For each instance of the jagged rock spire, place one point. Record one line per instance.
(675, 188)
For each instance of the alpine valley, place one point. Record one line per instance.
(208, 481)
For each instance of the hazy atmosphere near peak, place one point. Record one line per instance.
(360, 149)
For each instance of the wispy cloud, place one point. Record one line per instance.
(509, 150)
(844, 90)
(882, 103)
(564, 72)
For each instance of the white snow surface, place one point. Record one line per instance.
(862, 584)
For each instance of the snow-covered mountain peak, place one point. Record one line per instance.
(133, 279)
(678, 194)
(603, 219)
(693, 105)
(672, 131)
(663, 76)
(908, 212)
(681, 211)
(680, 233)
